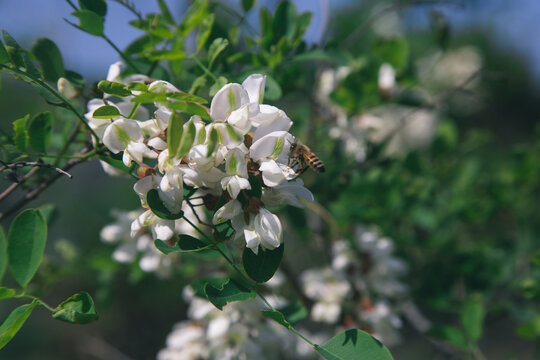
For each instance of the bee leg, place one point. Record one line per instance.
(302, 170)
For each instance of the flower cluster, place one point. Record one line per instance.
(240, 331)
(364, 277)
(238, 159)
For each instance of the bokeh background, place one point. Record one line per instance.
(138, 311)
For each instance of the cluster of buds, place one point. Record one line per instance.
(363, 277)
(235, 155)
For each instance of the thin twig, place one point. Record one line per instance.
(44, 185)
(13, 186)
(20, 164)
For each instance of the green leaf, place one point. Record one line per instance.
(89, 21)
(190, 109)
(220, 82)
(14, 321)
(354, 344)
(449, 334)
(213, 142)
(394, 51)
(247, 4)
(263, 265)
(149, 97)
(119, 164)
(182, 96)
(294, 311)
(9, 40)
(204, 31)
(4, 56)
(187, 140)
(195, 15)
(174, 54)
(78, 309)
(158, 207)
(231, 291)
(97, 6)
(26, 243)
(29, 65)
(277, 317)
(40, 131)
(217, 46)
(137, 86)
(185, 243)
(198, 83)
(6, 293)
(21, 134)
(472, 317)
(113, 88)
(216, 282)
(106, 112)
(49, 57)
(3, 252)
(75, 78)
(284, 21)
(166, 14)
(174, 134)
(15, 56)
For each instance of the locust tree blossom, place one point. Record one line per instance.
(364, 276)
(240, 331)
(238, 156)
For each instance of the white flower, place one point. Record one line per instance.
(66, 88)
(126, 135)
(265, 230)
(287, 193)
(227, 212)
(236, 170)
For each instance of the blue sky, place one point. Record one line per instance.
(514, 23)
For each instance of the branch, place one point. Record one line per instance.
(20, 164)
(44, 185)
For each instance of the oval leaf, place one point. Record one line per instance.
(263, 265)
(185, 243)
(6, 293)
(113, 88)
(21, 134)
(106, 112)
(89, 21)
(14, 321)
(97, 6)
(158, 207)
(40, 131)
(354, 344)
(78, 309)
(231, 291)
(26, 243)
(277, 317)
(49, 57)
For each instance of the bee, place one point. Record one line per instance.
(300, 155)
